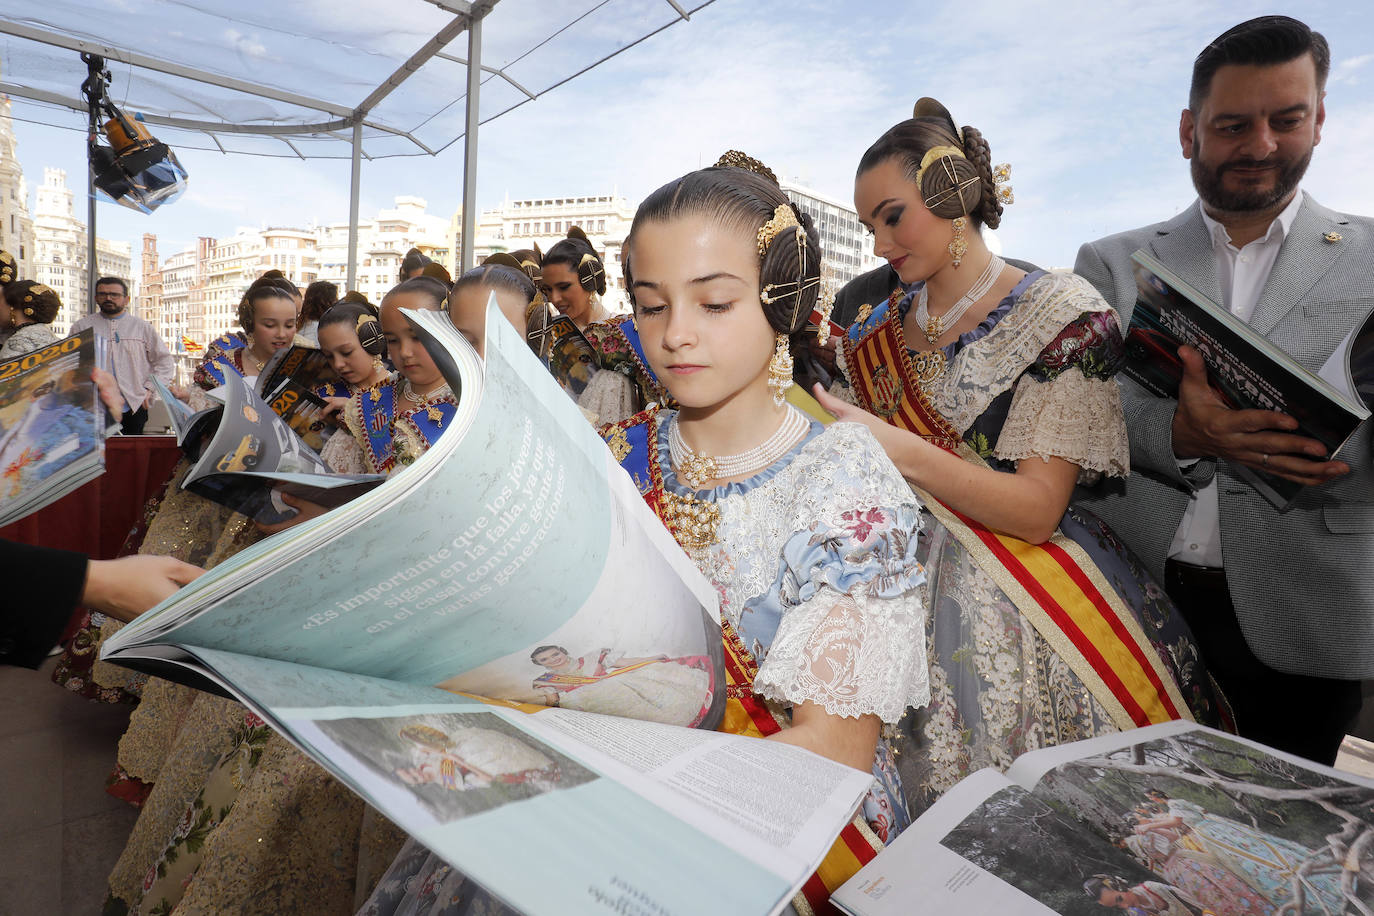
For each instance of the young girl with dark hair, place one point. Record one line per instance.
(267, 315)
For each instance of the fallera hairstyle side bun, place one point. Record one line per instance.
(577, 254)
(362, 320)
(740, 199)
(952, 186)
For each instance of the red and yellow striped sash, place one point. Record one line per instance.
(1055, 585)
(747, 714)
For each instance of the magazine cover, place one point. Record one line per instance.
(309, 367)
(302, 410)
(52, 425)
(572, 358)
(1247, 371)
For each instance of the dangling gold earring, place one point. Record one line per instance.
(780, 370)
(377, 365)
(958, 247)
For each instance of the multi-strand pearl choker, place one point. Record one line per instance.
(695, 470)
(935, 327)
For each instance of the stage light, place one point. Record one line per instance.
(132, 168)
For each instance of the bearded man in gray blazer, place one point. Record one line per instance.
(1282, 604)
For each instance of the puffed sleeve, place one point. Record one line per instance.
(852, 635)
(1068, 405)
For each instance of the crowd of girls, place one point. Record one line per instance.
(881, 577)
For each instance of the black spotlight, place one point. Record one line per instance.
(130, 167)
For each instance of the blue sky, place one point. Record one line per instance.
(1081, 97)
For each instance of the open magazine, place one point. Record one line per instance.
(247, 453)
(1246, 370)
(1174, 818)
(501, 642)
(52, 425)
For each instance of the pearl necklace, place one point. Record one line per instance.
(934, 327)
(408, 392)
(696, 469)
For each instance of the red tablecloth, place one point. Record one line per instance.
(96, 518)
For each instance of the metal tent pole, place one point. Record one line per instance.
(353, 206)
(470, 144)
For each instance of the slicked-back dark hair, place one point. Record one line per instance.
(1262, 41)
(738, 199)
(426, 285)
(498, 276)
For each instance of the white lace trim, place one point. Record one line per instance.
(611, 396)
(987, 367)
(756, 524)
(852, 655)
(1071, 417)
(842, 391)
(343, 455)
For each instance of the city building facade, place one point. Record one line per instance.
(59, 252)
(383, 242)
(518, 224)
(16, 225)
(845, 246)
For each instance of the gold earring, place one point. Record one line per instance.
(377, 364)
(958, 247)
(780, 370)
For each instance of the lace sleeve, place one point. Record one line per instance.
(610, 396)
(1072, 417)
(852, 639)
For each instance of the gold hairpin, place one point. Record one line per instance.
(782, 218)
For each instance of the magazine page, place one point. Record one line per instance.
(515, 560)
(308, 367)
(918, 866)
(677, 820)
(52, 425)
(1174, 814)
(250, 437)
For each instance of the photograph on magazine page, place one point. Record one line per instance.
(457, 764)
(1192, 823)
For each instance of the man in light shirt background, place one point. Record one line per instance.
(1282, 603)
(137, 353)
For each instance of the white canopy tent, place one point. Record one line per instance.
(316, 78)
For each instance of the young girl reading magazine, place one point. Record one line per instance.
(808, 533)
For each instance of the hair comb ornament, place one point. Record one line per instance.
(734, 158)
(783, 217)
(1001, 181)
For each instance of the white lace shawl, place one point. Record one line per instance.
(852, 654)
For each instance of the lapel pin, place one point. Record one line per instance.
(1331, 237)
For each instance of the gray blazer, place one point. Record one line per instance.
(1302, 581)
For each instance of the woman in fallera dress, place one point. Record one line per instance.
(992, 391)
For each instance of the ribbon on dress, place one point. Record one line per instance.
(1055, 585)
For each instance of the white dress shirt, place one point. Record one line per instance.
(136, 353)
(1242, 274)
